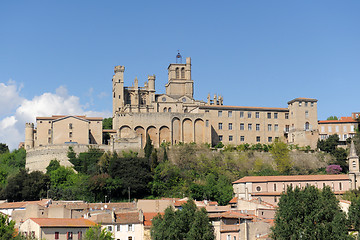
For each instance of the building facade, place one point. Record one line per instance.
(345, 127)
(176, 116)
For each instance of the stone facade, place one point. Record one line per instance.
(177, 117)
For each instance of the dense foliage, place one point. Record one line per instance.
(95, 233)
(7, 229)
(187, 223)
(309, 213)
(330, 145)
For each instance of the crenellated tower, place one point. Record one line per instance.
(118, 89)
(29, 136)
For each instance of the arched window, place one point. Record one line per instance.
(164, 109)
(307, 126)
(70, 126)
(169, 110)
(182, 72)
(177, 74)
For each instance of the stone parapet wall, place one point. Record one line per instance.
(38, 158)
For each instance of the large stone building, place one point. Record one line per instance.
(173, 117)
(176, 116)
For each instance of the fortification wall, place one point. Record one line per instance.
(38, 158)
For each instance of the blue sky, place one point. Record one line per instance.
(253, 53)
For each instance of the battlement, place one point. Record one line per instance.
(119, 69)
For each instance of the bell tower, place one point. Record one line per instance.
(118, 89)
(179, 78)
(354, 171)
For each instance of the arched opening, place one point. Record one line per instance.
(177, 73)
(125, 132)
(164, 134)
(182, 72)
(153, 135)
(307, 126)
(140, 131)
(199, 131)
(176, 131)
(188, 135)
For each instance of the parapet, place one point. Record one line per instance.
(29, 125)
(119, 69)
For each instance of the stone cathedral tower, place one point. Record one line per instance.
(354, 171)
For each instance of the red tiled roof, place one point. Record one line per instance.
(234, 200)
(231, 214)
(63, 222)
(293, 178)
(128, 217)
(148, 217)
(341, 120)
(13, 205)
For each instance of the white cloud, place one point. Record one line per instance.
(26, 110)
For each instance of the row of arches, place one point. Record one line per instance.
(186, 130)
(178, 71)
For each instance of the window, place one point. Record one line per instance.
(70, 126)
(354, 164)
(49, 140)
(300, 103)
(130, 238)
(286, 115)
(274, 187)
(269, 139)
(56, 235)
(269, 127)
(70, 134)
(249, 114)
(242, 138)
(230, 126)
(337, 128)
(79, 235)
(169, 109)
(276, 127)
(275, 199)
(275, 115)
(249, 126)
(207, 123)
(257, 115)
(257, 127)
(269, 115)
(110, 228)
(344, 129)
(322, 129)
(340, 186)
(307, 114)
(220, 138)
(287, 128)
(230, 138)
(241, 126)
(229, 113)
(220, 126)
(345, 136)
(118, 228)
(69, 235)
(219, 113)
(164, 109)
(228, 237)
(182, 72)
(257, 138)
(241, 114)
(352, 128)
(49, 131)
(307, 126)
(329, 129)
(177, 73)
(130, 227)
(312, 104)
(258, 188)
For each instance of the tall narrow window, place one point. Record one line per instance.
(229, 113)
(56, 235)
(307, 126)
(257, 127)
(220, 126)
(249, 114)
(275, 115)
(219, 113)
(249, 126)
(182, 72)
(177, 73)
(241, 114)
(286, 115)
(241, 126)
(269, 127)
(257, 115)
(70, 126)
(230, 126)
(307, 114)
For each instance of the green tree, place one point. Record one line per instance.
(107, 123)
(148, 149)
(7, 229)
(309, 213)
(280, 153)
(332, 118)
(95, 233)
(186, 223)
(3, 148)
(53, 165)
(354, 213)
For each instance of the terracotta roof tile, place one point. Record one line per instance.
(341, 120)
(292, 178)
(128, 217)
(63, 222)
(148, 217)
(234, 200)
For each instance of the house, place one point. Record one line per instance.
(56, 228)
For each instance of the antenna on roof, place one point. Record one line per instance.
(178, 57)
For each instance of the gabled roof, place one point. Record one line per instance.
(63, 222)
(293, 178)
(128, 217)
(56, 117)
